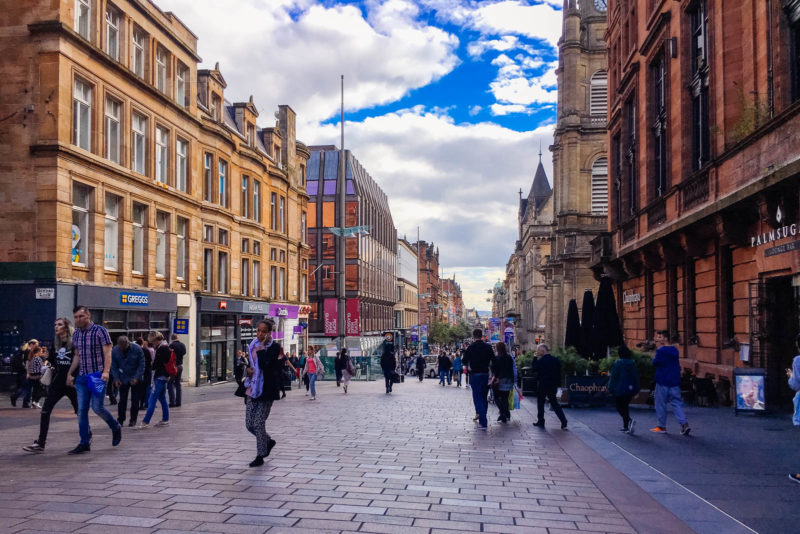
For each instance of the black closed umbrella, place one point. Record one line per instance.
(587, 319)
(606, 330)
(573, 335)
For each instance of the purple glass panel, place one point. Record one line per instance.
(350, 189)
(311, 188)
(330, 187)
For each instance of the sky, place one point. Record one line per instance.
(447, 103)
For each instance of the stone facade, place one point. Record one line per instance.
(406, 311)
(453, 300)
(430, 304)
(124, 167)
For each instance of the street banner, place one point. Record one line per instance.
(508, 332)
(414, 334)
(353, 324)
(331, 316)
(423, 333)
(494, 330)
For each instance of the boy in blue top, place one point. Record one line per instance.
(668, 385)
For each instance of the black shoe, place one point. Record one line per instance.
(540, 424)
(171, 405)
(271, 443)
(113, 401)
(177, 404)
(132, 422)
(14, 402)
(564, 425)
(258, 461)
(120, 421)
(500, 418)
(27, 406)
(80, 449)
(117, 436)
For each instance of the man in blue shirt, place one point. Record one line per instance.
(668, 384)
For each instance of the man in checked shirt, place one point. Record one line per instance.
(92, 344)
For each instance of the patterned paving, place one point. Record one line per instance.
(411, 462)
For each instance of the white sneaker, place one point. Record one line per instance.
(162, 423)
(141, 426)
(37, 405)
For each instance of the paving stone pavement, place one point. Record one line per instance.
(412, 462)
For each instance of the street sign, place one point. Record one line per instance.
(45, 293)
(180, 326)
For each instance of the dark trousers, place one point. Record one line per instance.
(420, 374)
(501, 400)
(338, 376)
(54, 395)
(123, 401)
(144, 390)
(387, 376)
(306, 381)
(550, 394)
(623, 407)
(174, 388)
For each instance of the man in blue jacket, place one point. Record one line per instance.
(127, 370)
(668, 385)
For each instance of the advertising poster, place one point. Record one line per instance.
(414, 334)
(353, 324)
(423, 333)
(749, 384)
(508, 332)
(494, 330)
(331, 316)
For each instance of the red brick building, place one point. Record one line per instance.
(704, 149)
(430, 307)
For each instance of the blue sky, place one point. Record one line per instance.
(446, 102)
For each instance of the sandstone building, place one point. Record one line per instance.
(406, 311)
(130, 184)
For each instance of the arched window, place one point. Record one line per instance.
(598, 96)
(600, 187)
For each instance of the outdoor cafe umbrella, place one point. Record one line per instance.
(573, 335)
(606, 331)
(587, 318)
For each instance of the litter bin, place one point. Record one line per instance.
(527, 381)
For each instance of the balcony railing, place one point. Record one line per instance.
(694, 191)
(656, 213)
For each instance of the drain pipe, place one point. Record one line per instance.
(770, 90)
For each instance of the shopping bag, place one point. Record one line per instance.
(96, 384)
(511, 400)
(516, 399)
(519, 393)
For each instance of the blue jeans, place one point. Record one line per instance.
(480, 388)
(796, 416)
(458, 377)
(312, 380)
(671, 395)
(159, 394)
(444, 375)
(85, 397)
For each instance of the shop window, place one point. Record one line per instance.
(112, 32)
(111, 237)
(181, 164)
(208, 177)
(138, 55)
(83, 17)
(81, 197)
(112, 115)
(208, 270)
(115, 321)
(138, 142)
(138, 248)
(82, 115)
(222, 272)
(159, 321)
(162, 224)
(181, 246)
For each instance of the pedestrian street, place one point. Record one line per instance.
(411, 462)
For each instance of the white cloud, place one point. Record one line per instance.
(474, 282)
(474, 110)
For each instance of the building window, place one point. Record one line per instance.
(180, 85)
(208, 270)
(302, 175)
(257, 248)
(111, 237)
(257, 201)
(208, 178)
(83, 15)
(162, 223)
(138, 143)
(256, 278)
(598, 96)
(690, 301)
(161, 70)
(303, 227)
(245, 246)
(630, 108)
(245, 276)
(181, 247)
(600, 187)
(698, 86)
(616, 153)
(223, 187)
(162, 154)
(222, 271)
(137, 53)
(303, 287)
(139, 223)
(208, 234)
(113, 110)
(282, 284)
(81, 196)
(245, 196)
(659, 125)
(181, 164)
(112, 32)
(273, 210)
(82, 115)
(273, 254)
(223, 237)
(273, 282)
(283, 215)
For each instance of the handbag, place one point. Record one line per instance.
(395, 378)
(241, 391)
(48, 376)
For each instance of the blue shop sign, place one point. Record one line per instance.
(134, 299)
(180, 326)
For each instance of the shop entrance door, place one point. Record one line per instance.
(781, 329)
(217, 361)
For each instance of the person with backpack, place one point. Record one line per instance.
(623, 384)
(458, 366)
(421, 364)
(263, 381)
(174, 383)
(164, 367)
(127, 371)
(144, 385)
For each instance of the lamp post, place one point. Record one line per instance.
(340, 238)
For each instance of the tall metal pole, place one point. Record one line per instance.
(340, 239)
(419, 290)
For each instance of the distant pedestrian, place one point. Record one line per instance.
(421, 364)
(127, 371)
(794, 382)
(239, 365)
(503, 379)
(313, 370)
(61, 360)
(458, 366)
(668, 384)
(19, 366)
(287, 372)
(301, 364)
(92, 345)
(623, 384)
(548, 368)
(263, 382)
(444, 369)
(34, 368)
(338, 367)
(348, 371)
(388, 365)
(174, 383)
(144, 385)
(478, 358)
(160, 378)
